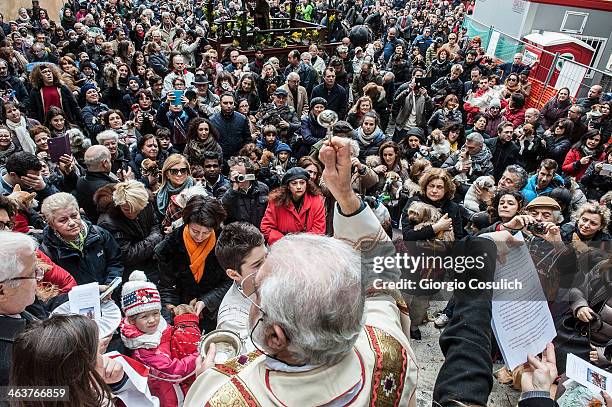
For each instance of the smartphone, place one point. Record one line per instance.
(178, 95)
(58, 146)
(111, 287)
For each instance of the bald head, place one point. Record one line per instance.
(532, 115)
(97, 159)
(595, 91)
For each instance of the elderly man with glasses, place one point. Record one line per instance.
(18, 276)
(313, 319)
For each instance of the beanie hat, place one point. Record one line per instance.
(138, 295)
(282, 147)
(295, 173)
(317, 101)
(417, 132)
(343, 128)
(137, 79)
(86, 87)
(495, 102)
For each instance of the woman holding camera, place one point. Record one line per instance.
(589, 148)
(295, 207)
(597, 180)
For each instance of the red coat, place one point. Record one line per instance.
(577, 170)
(280, 220)
(56, 275)
(170, 359)
(516, 117)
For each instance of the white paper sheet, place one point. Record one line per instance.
(522, 323)
(85, 300)
(588, 375)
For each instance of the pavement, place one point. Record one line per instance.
(430, 358)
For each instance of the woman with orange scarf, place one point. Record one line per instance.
(188, 268)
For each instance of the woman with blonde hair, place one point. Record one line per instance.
(590, 222)
(359, 109)
(70, 74)
(176, 176)
(269, 80)
(127, 211)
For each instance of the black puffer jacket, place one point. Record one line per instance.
(247, 206)
(176, 282)
(594, 184)
(137, 238)
(100, 260)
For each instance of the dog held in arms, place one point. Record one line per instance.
(421, 215)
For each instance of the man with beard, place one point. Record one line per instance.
(544, 181)
(257, 65)
(502, 147)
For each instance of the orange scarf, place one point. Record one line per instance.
(198, 252)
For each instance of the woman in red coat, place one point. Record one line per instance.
(295, 207)
(590, 148)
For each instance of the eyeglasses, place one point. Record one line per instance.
(249, 292)
(177, 171)
(7, 225)
(211, 166)
(39, 273)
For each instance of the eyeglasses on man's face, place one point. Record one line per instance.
(38, 275)
(7, 225)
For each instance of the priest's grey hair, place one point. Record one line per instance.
(313, 290)
(13, 248)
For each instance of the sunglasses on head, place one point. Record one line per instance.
(177, 171)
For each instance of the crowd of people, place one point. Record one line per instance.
(131, 148)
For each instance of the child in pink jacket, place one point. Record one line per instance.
(169, 352)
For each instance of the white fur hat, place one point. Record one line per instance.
(139, 295)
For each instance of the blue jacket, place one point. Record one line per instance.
(312, 131)
(99, 262)
(530, 192)
(234, 131)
